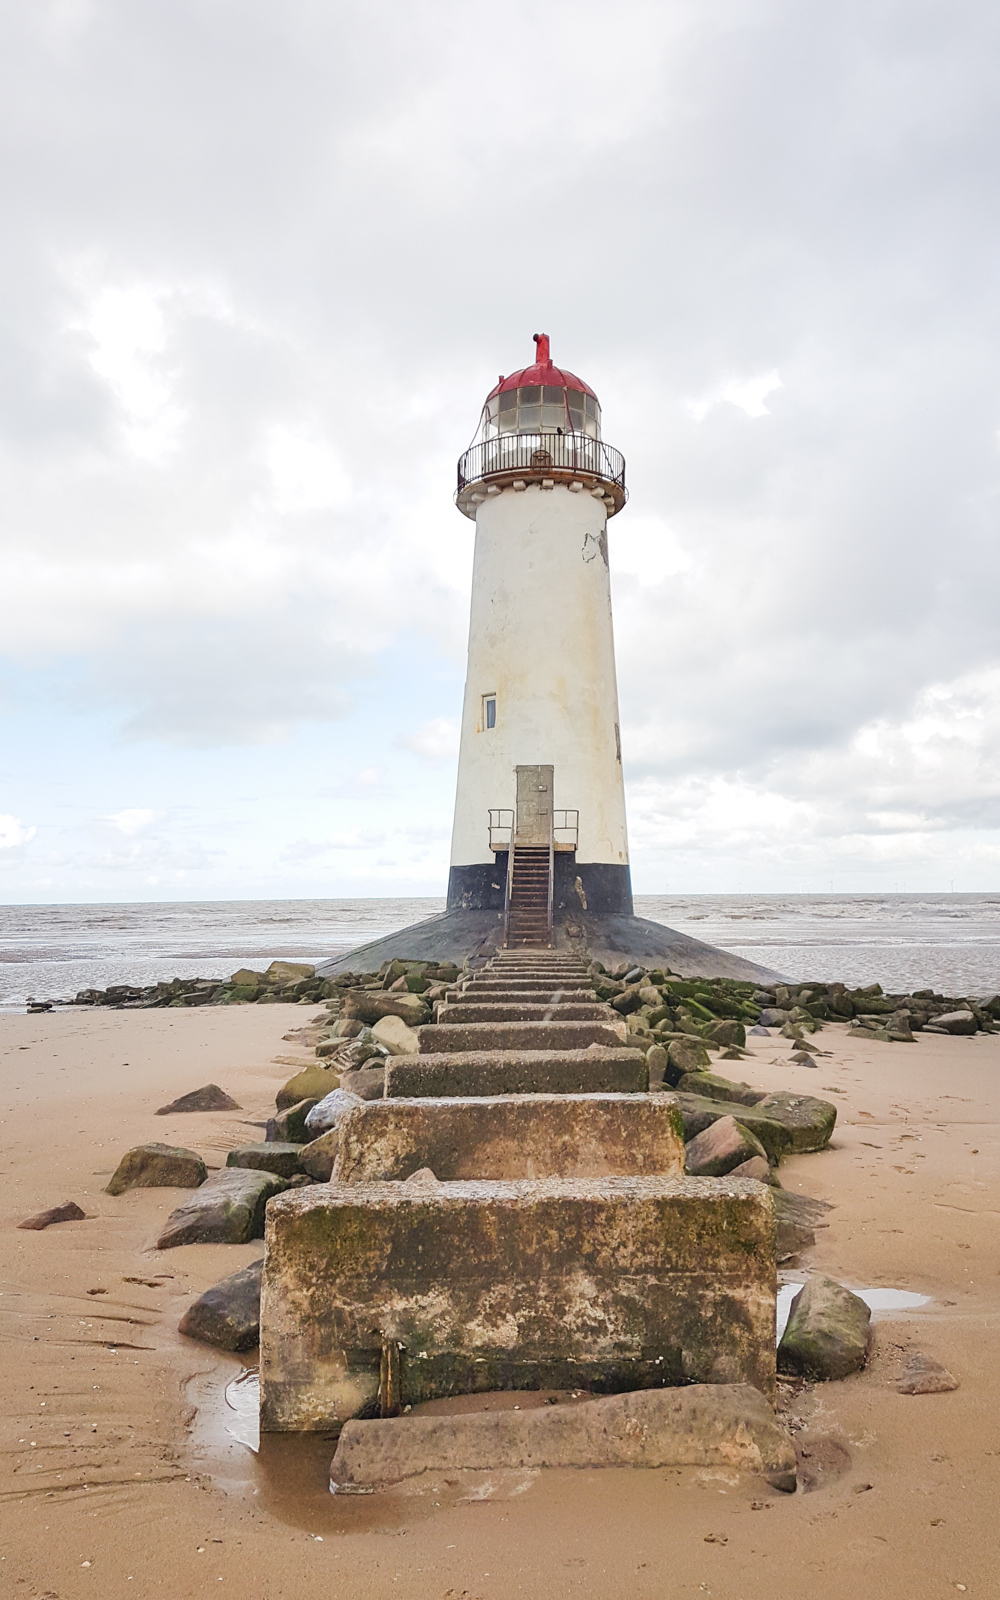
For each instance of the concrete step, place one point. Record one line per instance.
(524, 1011)
(494, 993)
(435, 1038)
(526, 1071)
(499, 1137)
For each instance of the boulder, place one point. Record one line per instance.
(370, 1005)
(656, 1065)
(158, 1166)
(698, 1112)
(759, 1031)
(210, 1098)
(795, 1218)
(758, 1169)
(396, 1036)
(703, 1425)
(923, 1375)
(317, 1157)
(809, 1122)
(227, 1209)
(773, 1017)
(717, 1088)
(288, 972)
(227, 1315)
(328, 1112)
(274, 1156)
(728, 1032)
(69, 1211)
(827, 1332)
(289, 1127)
(956, 1022)
(246, 978)
(719, 1148)
(313, 1083)
(368, 1083)
(687, 1054)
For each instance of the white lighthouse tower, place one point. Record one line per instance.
(540, 807)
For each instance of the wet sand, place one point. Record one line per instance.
(119, 1478)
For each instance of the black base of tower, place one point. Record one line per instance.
(598, 887)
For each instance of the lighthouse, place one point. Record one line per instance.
(539, 851)
(539, 826)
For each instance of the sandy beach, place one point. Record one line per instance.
(120, 1479)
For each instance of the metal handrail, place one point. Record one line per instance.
(566, 826)
(535, 452)
(499, 826)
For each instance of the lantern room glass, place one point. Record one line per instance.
(542, 409)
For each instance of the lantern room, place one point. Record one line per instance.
(542, 398)
(541, 425)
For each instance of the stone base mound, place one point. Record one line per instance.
(477, 935)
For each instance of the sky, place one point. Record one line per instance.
(262, 265)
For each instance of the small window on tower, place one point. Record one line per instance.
(489, 710)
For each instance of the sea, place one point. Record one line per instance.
(948, 942)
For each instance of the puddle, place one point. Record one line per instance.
(243, 1400)
(875, 1299)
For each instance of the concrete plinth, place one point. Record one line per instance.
(706, 1425)
(436, 1037)
(526, 1136)
(608, 1284)
(500, 1072)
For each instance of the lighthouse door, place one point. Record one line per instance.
(533, 825)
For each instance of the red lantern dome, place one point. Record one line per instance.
(542, 398)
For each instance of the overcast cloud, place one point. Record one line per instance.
(262, 265)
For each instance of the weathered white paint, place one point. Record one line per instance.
(541, 640)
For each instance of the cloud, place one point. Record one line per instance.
(14, 835)
(434, 741)
(246, 330)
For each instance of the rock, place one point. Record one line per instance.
(628, 1002)
(274, 1156)
(656, 1065)
(289, 1127)
(210, 1098)
(716, 1088)
(687, 1055)
(328, 1112)
(396, 1036)
(773, 1017)
(757, 1168)
(317, 1157)
(703, 1425)
(158, 1166)
(246, 978)
(810, 1122)
(313, 1083)
(827, 1333)
(288, 972)
(227, 1209)
(924, 1375)
(698, 1112)
(370, 1005)
(899, 1028)
(956, 1022)
(368, 1083)
(801, 1058)
(227, 1315)
(728, 1032)
(69, 1211)
(719, 1148)
(347, 1028)
(796, 1216)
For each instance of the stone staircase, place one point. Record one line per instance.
(524, 1024)
(513, 1214)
